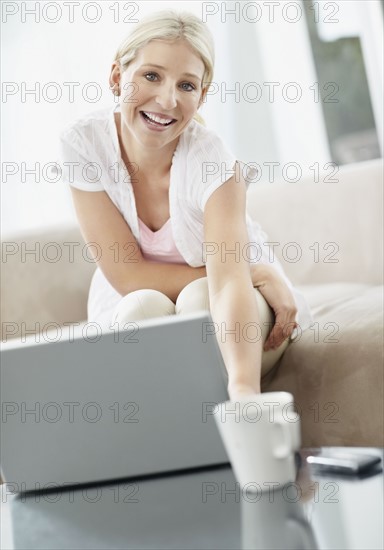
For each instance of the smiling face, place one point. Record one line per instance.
(161, 90)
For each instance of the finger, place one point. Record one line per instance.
(281, 331)
(275, 338)
(287, 320)
(289, 328)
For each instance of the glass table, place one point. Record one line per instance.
(202, 508)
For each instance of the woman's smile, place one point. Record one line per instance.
(157, 122)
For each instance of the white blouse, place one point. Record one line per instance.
(91, 161)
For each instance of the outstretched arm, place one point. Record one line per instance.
(232, 298)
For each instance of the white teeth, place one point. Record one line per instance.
(158, 119)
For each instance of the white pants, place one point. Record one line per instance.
(147, 303)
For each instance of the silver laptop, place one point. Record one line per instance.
(97, 407)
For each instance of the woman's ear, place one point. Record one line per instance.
(114, 77)
(203, 96)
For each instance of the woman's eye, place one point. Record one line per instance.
(151, 76)
(187, 87)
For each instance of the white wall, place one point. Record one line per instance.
(249, 49)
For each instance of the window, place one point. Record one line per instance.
(337, 33)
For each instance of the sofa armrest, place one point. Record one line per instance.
(45, 279)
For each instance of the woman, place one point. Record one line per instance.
(164, 201)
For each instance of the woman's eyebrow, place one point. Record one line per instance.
(164, 68)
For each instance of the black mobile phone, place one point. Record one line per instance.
(343, 462)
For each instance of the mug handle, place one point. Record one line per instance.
(283, 439)
(296, 434)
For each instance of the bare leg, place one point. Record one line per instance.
(140, 305)
(195, 297)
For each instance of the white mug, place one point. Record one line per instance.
(261, 434)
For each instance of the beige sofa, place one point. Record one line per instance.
(328, 237)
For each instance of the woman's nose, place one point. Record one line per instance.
(166, 97)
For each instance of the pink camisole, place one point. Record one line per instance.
(159, 246)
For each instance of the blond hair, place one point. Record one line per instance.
(170, 25)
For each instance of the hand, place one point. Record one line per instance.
(279, 297)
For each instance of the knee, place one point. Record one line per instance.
(266, 315)
(193, 297)
(143, 304)
(271, 357)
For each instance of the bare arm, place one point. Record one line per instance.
(232, 298)
(120, 258)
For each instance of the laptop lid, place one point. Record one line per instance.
(112, 405)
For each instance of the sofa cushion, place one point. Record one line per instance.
(335, 369)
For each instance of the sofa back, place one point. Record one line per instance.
(327, 231)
